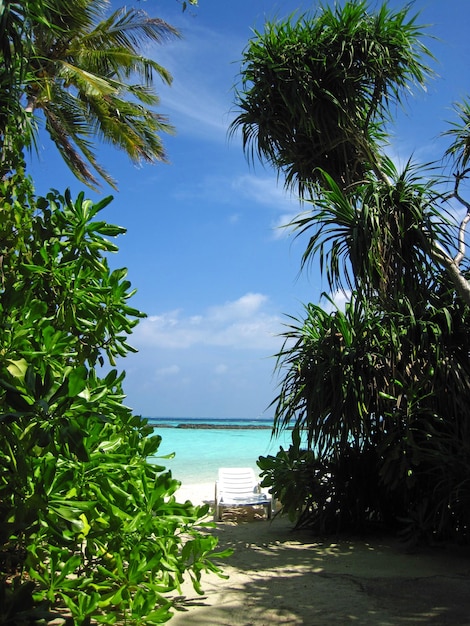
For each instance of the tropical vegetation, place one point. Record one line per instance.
(377, 394)
(91, 530)
(83, 69)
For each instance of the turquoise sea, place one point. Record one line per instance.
(203, 445)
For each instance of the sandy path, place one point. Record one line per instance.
(278, 576)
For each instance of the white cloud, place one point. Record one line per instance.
(200, 97)
(246, 306)
(266, 191)
(198, 111)
(217, 362)
(245, 190)
(340, 299)
(281, 227)
(170, 370)
(245, 323)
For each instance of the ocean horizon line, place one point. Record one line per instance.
(200, 423)
(218, 419)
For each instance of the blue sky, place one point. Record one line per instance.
(214, 272)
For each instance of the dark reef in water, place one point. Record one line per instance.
(225, 426)
(219, 426)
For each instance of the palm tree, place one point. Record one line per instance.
(315, 95)
(372, 238)
(87, 76)
(381, 390)
(13, 41)
(314, 91)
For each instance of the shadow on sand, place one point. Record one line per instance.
(279, 576)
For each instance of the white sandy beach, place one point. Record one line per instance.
(197, 493)
(280, 576)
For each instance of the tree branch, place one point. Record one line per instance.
(461, 284)
(459, 176)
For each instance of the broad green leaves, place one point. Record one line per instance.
(87, 525)
(91, 525)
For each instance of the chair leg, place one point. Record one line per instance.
(216, 502)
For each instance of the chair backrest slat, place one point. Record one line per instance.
(237, 480)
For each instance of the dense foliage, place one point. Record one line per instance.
(90, 529)
(87, 523)
(314, 92)
(378, 395)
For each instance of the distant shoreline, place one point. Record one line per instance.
(214, 426)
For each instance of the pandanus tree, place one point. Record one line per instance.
(316, 93)
(368, 388)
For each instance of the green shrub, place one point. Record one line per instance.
(87, 524)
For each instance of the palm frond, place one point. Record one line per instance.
(97, 71)
(379, 236)
(128, 29)
(70, 129)
(312, 90)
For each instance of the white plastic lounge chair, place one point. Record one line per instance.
(237, 486)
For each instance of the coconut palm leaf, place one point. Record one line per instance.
(84, 72)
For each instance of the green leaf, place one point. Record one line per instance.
(17, 368)
(77, 381)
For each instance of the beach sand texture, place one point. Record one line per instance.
(280, 576)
